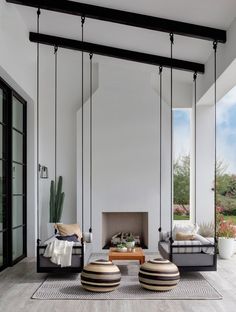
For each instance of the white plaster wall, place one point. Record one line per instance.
(226, 54)
(205, 160)
(17, 68)
(17, 54)
(125, 149)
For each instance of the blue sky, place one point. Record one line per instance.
(226, 130)
(182, 132)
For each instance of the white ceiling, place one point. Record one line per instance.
(213, 13)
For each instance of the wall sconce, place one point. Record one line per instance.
(43, 172)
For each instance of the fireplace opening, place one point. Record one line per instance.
(116, 225)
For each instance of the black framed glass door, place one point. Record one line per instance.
(3, 166)
(12, 176)
(18, 178)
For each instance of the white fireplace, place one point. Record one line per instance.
(125, 155)
(133, 222)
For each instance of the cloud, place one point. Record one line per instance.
(224, 106)
(226, 130)
(181, 133)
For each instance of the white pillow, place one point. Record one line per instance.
(185, 228)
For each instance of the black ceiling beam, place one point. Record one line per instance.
(127, 18)
(116, 52)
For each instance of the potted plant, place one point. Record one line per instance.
(56, 201)
(121, 247)
(130, 242)
(226, 233)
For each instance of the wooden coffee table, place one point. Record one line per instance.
(138, 254)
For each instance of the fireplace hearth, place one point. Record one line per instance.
(117, 226)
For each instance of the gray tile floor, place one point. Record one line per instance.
(18, 283)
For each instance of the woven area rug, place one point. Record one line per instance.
(192, 286)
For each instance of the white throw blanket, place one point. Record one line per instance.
(60, 252)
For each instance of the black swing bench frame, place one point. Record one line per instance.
(195, 261)
(44, 265)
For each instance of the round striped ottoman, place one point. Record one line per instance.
(159, 275)
(100, 276)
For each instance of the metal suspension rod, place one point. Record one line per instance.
(195, 145)
(82, 123)
(37, 125)
(91, 141)
(160, 154)
(55, 81)
(215, 43)
(171, 137)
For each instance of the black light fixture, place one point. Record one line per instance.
(43, 172)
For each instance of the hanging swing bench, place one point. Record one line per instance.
(197, 253)
(44, 264)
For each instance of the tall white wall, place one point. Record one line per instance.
(205, 161)
(125, 149)
(17, 54)
(17, 68)
(226, 54)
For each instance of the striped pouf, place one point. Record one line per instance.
(100, 276)
(159, 275)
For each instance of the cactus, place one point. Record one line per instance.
(56, 201)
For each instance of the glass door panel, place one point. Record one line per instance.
(17, 211)
(1, 141)
(17, 243)
(18, 178)
(1, 250)
(1, 105)
(2, 213)
(3, 224)
(2, 231)
(17, 147)
(1, 178)
(17, 114)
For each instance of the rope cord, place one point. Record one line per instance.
(195, 145)
(91, 141)
(55, 53)
(171, 136)
(37, 125)
(160, 123)
(82, 122)
(215, 102)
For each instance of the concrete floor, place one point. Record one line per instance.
(17, 284)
